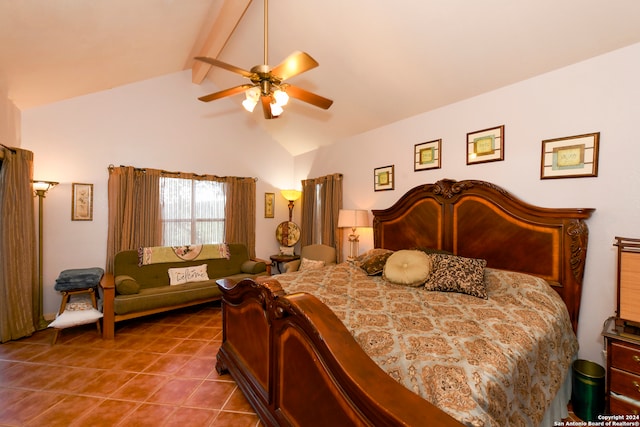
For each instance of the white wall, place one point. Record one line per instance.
(160, 124)
(599, 95)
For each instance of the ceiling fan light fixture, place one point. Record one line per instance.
(276, 109)
(281, 97)
(249, 105)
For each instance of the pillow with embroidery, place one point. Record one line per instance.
(373, 265)
(453, 273)
(178, 276)
(310, 264)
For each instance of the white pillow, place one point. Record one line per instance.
(74, 318)
(407, 267)
(309, 264)
(178, 276)
(288, 251)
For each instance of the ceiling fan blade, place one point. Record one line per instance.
(225, 93)
(296, 63)
(226, 66)
(306, 96)
(266, 106)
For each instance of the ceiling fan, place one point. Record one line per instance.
(267, 84)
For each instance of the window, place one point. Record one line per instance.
(192, 211)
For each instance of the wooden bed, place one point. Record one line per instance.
(297, 363)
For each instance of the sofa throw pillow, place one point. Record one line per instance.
(407, 267)
(126, 285)
(178, 276)
(310, 264)
(374, 264)
(453, 273)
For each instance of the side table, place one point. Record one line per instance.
(282, 259)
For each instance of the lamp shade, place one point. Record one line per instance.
(44, 186)
(291, 195)
(352, 218)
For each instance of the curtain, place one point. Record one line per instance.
(134, 210)
(240, 212)
(19, 287)
(321, 204)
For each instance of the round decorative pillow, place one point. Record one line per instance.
(407, 267)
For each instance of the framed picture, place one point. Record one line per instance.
(81, 202)
(269, 204)
(383, 178)
(485, 145)
(427, 155)
(570, 157)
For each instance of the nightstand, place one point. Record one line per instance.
(623, 374)
(281, 259)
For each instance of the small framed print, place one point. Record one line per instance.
(383, 178)
(269, 204)
(570, 157)
(427, 155)
(485, 145)
(81, 202)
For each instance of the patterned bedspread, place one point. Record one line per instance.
(493, 362)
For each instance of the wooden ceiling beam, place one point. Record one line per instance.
(226, 22)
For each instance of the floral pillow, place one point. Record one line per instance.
(374, 264)
(451, 273)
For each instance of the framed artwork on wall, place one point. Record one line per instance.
(383, 178)
(485, 145)
(269, 204)
(427, 155)
(570, 157)
(81, 202)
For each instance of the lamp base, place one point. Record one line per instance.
(353, 247)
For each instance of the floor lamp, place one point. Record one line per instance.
(40, 189)
(350, 218)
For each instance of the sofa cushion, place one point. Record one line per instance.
(126, 285)
(253, 267)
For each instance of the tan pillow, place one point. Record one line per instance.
(407, 267)
(457, 274)
(126, 285)
(309, 264)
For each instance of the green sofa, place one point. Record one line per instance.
(133, 291)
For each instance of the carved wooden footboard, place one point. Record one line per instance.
(297, 364)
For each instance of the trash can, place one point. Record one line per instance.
(587, 390)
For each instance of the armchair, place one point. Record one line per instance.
(313, 252)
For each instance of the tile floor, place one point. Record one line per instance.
(159, 371)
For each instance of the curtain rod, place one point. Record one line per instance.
(164, 172)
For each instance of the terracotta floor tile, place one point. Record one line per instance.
(31, 406)
(140, 387)
(191, 417)
(71, 379)
(139, 361)
(206, 333)
(234, 419)
(18, 351)
(148, 414)
(105, 383)
(237, 403)
(162, 345)
(210, 350)
(113, 359)
(107, 414)
(35, 376)
(174, 391)
(181, 331)
(167, 364)
(65, 412)
(189, 347)
(198, 367)
(211, 394)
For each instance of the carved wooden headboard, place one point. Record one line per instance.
(478, 219)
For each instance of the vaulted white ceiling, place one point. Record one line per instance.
(380, 61)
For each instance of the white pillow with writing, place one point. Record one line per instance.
(178, 276)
